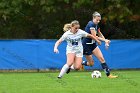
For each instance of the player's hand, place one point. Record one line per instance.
(56, 50)
(107, 42)
(99, 42)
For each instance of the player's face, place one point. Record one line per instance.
(96, 19)
(75, 28)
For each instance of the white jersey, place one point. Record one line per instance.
(74, 41)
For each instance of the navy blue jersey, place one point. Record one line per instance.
(89, 44)
(89, 27)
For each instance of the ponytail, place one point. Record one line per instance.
(66, 27)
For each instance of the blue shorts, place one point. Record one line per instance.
(88, 48)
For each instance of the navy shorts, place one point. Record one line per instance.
(88, 48)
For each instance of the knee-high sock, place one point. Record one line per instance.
(72, 67)
(63, 70)
(106, 69)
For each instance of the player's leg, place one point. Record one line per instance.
(89, 61)
(97, 52)
(77, 63)
(70, 60)
(88, 54)
(71, 67)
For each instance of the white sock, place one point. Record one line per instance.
(72, 67)
(63, 70)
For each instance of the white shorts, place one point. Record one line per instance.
(77, 50)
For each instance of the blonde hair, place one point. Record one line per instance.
(66, 27)
(75, 22)
(96, 14)
(69, 25)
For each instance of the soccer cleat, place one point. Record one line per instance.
(68, 71)
(111, 76)
(59, 77)
(82, 68)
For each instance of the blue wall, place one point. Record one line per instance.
(38, 54)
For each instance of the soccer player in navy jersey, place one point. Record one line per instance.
(90, 47)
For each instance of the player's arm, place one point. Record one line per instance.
(93, 33)
(58, 42)
(100, 34)
(102, 38)
(85, 34)
(94, 37)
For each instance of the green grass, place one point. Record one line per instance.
(74, 82)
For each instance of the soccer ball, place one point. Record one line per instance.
(96, 74)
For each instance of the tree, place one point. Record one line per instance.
(45, 18)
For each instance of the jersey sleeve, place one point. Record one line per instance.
(84, 34)
(91, 26)
(63, 37)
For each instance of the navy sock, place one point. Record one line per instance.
(106, 69)
(84, 63)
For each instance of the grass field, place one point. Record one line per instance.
(74, 82)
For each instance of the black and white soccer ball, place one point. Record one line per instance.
(96, 74)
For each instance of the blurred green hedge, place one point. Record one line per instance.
(44, 19)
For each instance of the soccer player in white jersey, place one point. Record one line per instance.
(74, 50)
